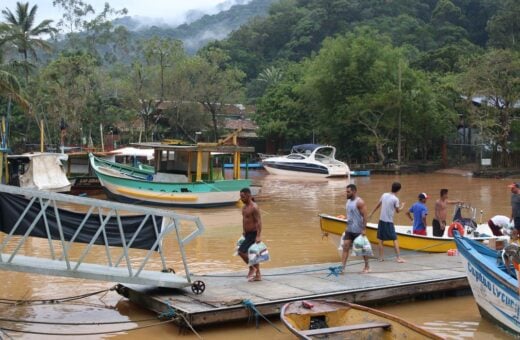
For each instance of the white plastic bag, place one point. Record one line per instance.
(239, 243)
(257, 253)
(361, 246)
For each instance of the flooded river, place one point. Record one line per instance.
(290, 209)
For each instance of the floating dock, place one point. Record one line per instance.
(229, 297)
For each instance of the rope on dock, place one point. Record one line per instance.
(169, 314)
(253, 311)
(335, 271)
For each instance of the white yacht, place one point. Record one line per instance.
(310, 160)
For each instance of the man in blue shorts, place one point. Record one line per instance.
(389, 203)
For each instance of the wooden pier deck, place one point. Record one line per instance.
(225, 294)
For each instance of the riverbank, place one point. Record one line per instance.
(473, 170)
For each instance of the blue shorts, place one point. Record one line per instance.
(386, 231)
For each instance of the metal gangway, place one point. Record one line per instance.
(133, 252)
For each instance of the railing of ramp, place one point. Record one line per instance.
(76, 228)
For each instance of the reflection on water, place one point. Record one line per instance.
(453, 318)
(290, 209)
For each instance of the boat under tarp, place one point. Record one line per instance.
(39, 170)
(13, 206)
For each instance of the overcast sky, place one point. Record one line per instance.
(167, 10)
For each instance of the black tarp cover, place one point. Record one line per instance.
(12, 207)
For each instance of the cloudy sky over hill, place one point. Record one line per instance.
(168, 11)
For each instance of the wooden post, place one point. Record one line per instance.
(42, 142)
(102, 141)
(189, 167)
(199, 166)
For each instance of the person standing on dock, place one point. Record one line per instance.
(515, 209)
(252, 230)
(389, 203)
(356, 224)
(419, 211)
(441, 213)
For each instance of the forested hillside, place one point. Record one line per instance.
(201, 31)
(351, 70)
(379, 79)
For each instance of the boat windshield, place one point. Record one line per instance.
(305, 148)
(325, 153)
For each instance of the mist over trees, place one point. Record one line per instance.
(365, 76)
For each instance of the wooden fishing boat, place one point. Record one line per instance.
(494, 286)
(184, 176)
(317, 319)
(333, 227)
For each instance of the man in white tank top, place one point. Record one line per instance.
(389, 203)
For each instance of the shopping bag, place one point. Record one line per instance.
(239, 243)
(361, 246)
(257, 253)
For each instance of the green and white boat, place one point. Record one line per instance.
(183, 177)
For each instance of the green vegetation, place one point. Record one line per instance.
(378, 79)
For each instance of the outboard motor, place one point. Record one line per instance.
(468, 223)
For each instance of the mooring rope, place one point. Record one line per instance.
(56, 300)
(87, 333)
(250, 306)
(75, 323)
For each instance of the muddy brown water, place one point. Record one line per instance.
(290, 209)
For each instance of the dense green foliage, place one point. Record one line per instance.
(367, 76)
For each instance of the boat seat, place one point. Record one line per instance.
(339, 329)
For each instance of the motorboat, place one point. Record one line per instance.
(334, 226)
(493, 283)
(310, 160)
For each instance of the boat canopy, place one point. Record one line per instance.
(42, 171)
(305, 148)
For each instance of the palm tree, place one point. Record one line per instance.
(23, 35)
(9, 87)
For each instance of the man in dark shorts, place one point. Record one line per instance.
(389, 203)
(441, 213)
(515, 209)
(252, 229)
(356, 224)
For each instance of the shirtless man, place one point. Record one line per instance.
(252, 226)
(441, 212)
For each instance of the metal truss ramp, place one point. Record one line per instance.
(127, 238)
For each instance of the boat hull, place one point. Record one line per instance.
(125, 188)
(335, 226)
(495, 291)
(293, 170)
(324, 318)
